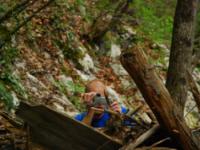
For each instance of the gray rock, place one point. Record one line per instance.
(115, 51)
(87, 63)
(118, 69)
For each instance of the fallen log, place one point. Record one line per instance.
(158, 98)
(54, 130)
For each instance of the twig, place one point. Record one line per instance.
(30, 17)
(16, 10)
(11, 120)
(97, 31)
(141, 139)
(190, 111)
(24, 23)
(161, 141)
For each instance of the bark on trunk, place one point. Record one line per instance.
(158, 98)
(106, 22)
(181, 50)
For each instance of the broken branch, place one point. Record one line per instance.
(157, 97)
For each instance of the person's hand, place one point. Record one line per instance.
(88, 97)
(115, 107)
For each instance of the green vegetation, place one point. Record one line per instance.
(155, 19)
(14, 82)
(71, 50)
(72, 90)
(6, 96)
(8, 81)
(8, 55)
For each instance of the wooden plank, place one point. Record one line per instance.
(57, 131)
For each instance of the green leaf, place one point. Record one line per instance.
(6, 97)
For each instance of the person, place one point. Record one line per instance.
(96, 88)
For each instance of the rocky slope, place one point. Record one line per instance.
(48, 62)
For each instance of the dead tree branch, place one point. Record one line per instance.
(104, 22)
(24, 23)
(141, 139)
(16, 10)
(158, 98)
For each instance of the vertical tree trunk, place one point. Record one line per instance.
(158, 98)
(181, 50)
(107, 21)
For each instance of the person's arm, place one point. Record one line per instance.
(116, 107)
(114, 100)
(79, 117)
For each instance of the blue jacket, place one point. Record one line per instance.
(101, 122)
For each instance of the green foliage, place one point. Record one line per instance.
(6, 96)
(75, 98)
(155, 19)
(69, 86)
(14, 83)
(72, 49)
(80, 2)
(4, 33)
(106, 5)
(3, 8)
(73, 90)
(8, 56)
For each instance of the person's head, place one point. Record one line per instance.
(99, 87)
(96, 86)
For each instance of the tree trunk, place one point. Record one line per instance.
(106, 22)
(158, 98)
(181, 50)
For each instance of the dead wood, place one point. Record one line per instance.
(155, 148)
(181, 51)
(15, 10)
(105, 22)
(158, 97)
(16, 29)
(141, 138)
(57, 131)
